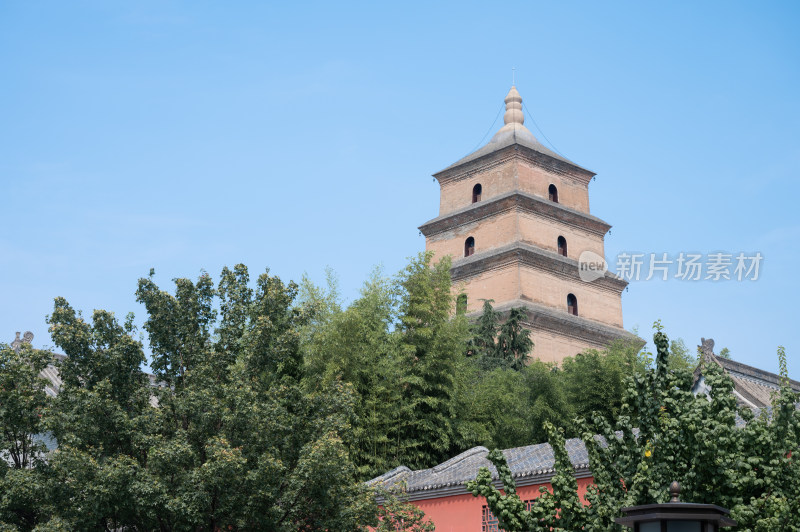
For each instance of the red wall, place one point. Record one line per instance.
(462, 513)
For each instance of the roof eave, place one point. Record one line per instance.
(469, 159)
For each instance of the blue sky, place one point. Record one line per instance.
(191, 135)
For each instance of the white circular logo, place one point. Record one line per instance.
(591, 266)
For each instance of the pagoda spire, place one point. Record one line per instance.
(512, 132)
(513, 113)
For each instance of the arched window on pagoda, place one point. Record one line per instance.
(562, 246)
(552, 193)
(469, 247)
(476, 193)
(572, 304)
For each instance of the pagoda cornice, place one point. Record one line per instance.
(541, 317)
(516, 199)
(470, 167)
(534, 257)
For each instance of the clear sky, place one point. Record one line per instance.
(191, 135)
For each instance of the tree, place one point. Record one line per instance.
(98, 418)
(226, 437)
(357, 346)
(320, 304)
(22, 402)
(396, 514)
(491, 407)
(680, 357)
(514, 341)
(509, 408)
(595, 381)
(501, 407)
(484, 331)
(665, 433)
(431, 343)
(268, 455)
(496, 345)
(400, 347)
(548, 401)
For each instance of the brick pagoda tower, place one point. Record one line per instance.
(515, 218)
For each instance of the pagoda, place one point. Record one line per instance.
(514, 216)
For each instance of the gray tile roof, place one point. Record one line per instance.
(753, 387)
(529, 465)
(509, 135)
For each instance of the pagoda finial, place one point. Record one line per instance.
(513, 108)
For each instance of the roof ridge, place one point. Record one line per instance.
(390, 475)
(752, 371)
(460, 457)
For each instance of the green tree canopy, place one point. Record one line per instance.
(23, 401)
(225, 437)
(665, 433)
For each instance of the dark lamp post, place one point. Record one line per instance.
(675, 516)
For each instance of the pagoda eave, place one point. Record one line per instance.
(533, 257)
(515, 199)
(540, 317)
(469, 166)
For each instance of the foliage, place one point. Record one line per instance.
(418, 400)
(549, 401)
(400, 347)
(431, 342)
(320, 305)
(595, 381)
(225, 438)
(559, 509)
(396, 514)
(484, 331)
(680, 357)
(270, 402)
(665, 433)
(491, 408)
(514, 342)
(357, 346)
(22, 403)
(500, 345)
(506, 408)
